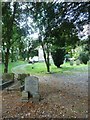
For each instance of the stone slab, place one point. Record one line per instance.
(24, 95)
(32, 85)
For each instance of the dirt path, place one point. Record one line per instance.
(62, 96)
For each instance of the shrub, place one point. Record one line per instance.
(84, 57)
(58, 56)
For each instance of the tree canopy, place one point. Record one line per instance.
(58, 25)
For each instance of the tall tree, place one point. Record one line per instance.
(8, 16)
(46, 15)
(64, 35)
(47, 18)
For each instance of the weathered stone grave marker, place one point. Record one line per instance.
(32, 87)
(71, 62)
(78, 62)
(25, 96)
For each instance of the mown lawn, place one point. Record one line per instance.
(40, 68)
(11, 65)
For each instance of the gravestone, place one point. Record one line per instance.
(8, 76)
(78, 62)
(71, 62)
(25, 96)
(32, 87)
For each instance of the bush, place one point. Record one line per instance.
(84, 58)
(58, 56)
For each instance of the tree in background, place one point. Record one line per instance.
(42, 14)
(8, 17)
(49, 20)
(58, 56)
(64, 36)
(48, 17)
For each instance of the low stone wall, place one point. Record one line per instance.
(22, 76)
(21, 88)
(6, 84)
(7, 76)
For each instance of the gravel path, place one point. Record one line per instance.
(20, 68)
(62, 96)
(77, 80)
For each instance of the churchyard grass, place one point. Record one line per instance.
(11, 65)
(40, 68)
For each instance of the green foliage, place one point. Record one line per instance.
(54, 21)
(77, 51)
(8, 17)
(58, 56)
(84, 58)
(63, 36)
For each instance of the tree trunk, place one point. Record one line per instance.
(9, 36)
(6, 61)
(3, 52)
(46, 57)
(12, 55)
(48, 62)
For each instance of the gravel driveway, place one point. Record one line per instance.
(62, 96)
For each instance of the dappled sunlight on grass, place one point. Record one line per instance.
(40, 68)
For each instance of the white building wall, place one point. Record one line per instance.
(40, 54)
